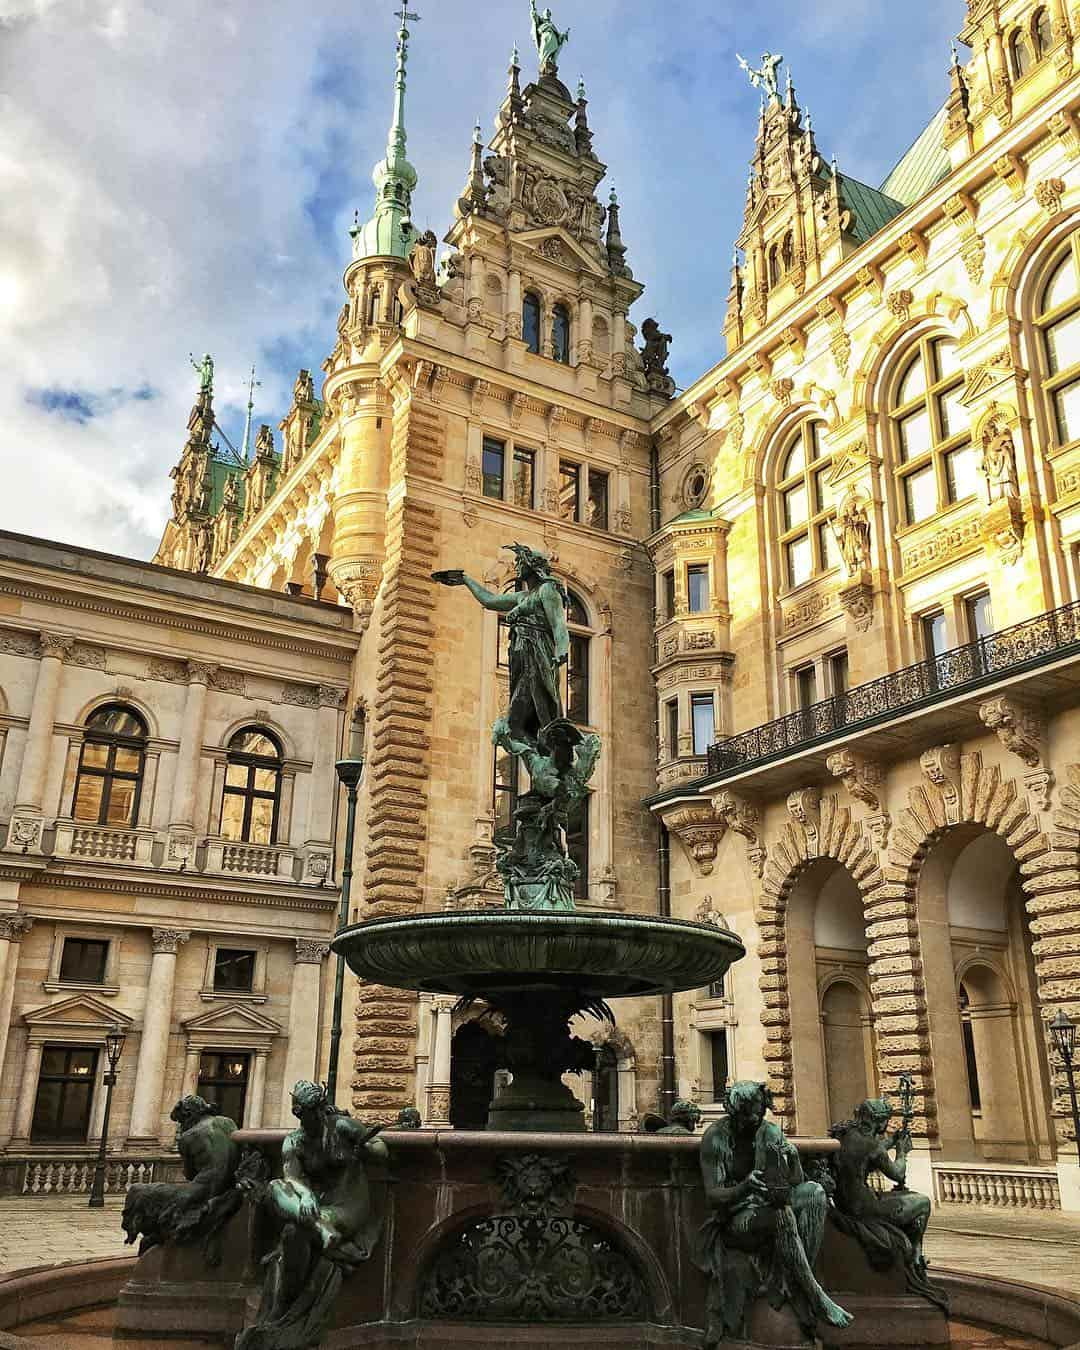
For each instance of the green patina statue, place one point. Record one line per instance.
(767, 1222)
(323, 1202)
(549, 41)
(537, 872)
(205, 367)
(889, 1227)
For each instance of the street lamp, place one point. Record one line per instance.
(349, 772)
(1063, 1030)
(114, 1048)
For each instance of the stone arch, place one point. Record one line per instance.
(259, 717)
(1010, 281)
(772, 434)
(125, 699)
(820, 828)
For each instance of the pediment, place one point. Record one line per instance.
(233, 1017)
(767, 207)
(558, 246)
(81, 1011)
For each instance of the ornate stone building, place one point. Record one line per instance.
(825, 615)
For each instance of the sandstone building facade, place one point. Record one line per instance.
(825, 617)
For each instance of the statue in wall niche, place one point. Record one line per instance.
(549, 41)
(230, 492)
(889, 1227)
(323, 1203)
(998, 463)
(766, 1225)
(422, 260)
(198, 1209)
(851, 529)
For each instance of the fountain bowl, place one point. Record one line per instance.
(501, 952)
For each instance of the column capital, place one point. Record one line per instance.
(56, 645)
(168, 940)
(311, 951)
(14, 927)
(200, 672)
(332, 696)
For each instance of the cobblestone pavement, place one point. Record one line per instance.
(1038, 1248)
(46, 1231)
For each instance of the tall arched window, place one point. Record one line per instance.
(1043, 29)
(1057, 317)
(787, 253)
(252, 793)
(935, 462)
(374, 301)
(1020, 57)
(774, 265)
(530, 322)
(576, 670)
(560, 334)
(110, 767)
(804, 504)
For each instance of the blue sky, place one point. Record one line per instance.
(193, 188)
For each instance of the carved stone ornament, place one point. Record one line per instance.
(857, 601)
(540, 1185)
(941, 765)
(1018, 728)
(700, 832)
(804, 807)
(549, 204)
(311, 952)
(737, 814)
(14, 927)
(25, 833)
(55, 646)
(552, 249)
(859, 775)
(899, 303)
(1048, 193)
(1002, 528)
(167, 941)
(200, 672)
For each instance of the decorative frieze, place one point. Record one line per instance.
(19, 644)
(962, 537)
(300, 695)
(813, 609)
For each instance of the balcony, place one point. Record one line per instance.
(1026, 656)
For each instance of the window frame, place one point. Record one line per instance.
(490, 445)
(564, 466)
(930, 400)
(66, 941)
(1044, 321)
(702, 699)
(817, 521)
(529, 299)
(695, 570)
(672, 727)
(85, 1082)
(250, 793)
(219, 955)
(109, 774)
(561, 316)
(202, 1083)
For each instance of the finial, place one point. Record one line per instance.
(613, 196)
(835, 166)
(515, 58)
(809, 120)
(477, 134)
(955, 54)
(581, 89)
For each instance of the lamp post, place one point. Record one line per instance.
(349, 772)
(1063, 1030)
(114, 1048)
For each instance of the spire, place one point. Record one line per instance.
(475, 194)
(616, 249)
(582, 134)
(389, 232)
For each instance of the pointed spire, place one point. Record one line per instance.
(582, 134)
(616, 249)
(513, 106)
(475, 194)
(389, 233)
(790, 89)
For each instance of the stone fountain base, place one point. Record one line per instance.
(543, 1240)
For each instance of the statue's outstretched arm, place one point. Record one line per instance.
(502, 604)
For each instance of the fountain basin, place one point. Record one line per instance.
(490, 952)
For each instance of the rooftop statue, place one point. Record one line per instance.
(549, 41)
(766, 78)
(205, 367)
(767, 1222)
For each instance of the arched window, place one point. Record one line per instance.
(530, 322)
(560, 334)
(1057, 317)
(1020, 56)
(605, 1093)
(804, 505)
(252, 793)
(934, 459)
(110, 767)
(1043, 29)
(774, 266)
(399, 310)
(787, 254)
(373, 305)
(576, 670)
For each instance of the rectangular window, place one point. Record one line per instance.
(697, 589)
(716, 989)
(598, 500)
(223, 1080)
(234, 971)
(800, 562)
(524, 493)
(504, 789)
(669, 595)
(703, 715)
(838, 673)
(494, 466)
(577, 844)
(577, 680)
(64, 1093)
(717, 1062)
(569, 490)
(980, 619)
(83, 960)
(935, 637)
(806, 691)
(671, 729)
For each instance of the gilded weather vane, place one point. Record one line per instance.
(765, 78)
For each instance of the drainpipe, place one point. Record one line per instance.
(654, 489)
(667, 1002)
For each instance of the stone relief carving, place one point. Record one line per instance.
(941, 764)
(1018, 728)
(859, 775)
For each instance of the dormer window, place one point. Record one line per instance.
(530, 322)
(560, 335)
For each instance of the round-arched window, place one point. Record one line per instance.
(1043, 29)
(560, 334)
(530, 322)
(1057, 319)
(804, 504)
(109, 779)
(934, 461)
(252, 793)
(1020, 56)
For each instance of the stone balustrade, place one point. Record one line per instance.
(249, 860)
(1002, 1187)
(43, 1176)
(102, 844)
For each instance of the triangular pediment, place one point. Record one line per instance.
(233, 1017)
(560, 247)
(82, 1011)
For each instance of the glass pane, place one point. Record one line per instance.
(795, 507)
(1044, 33)
(800, 564)
(1062, 284)
(598, 500)
(236, 775)
(577, 680)
(82, 1061)
(1067, 412)
(806, 686)
(95, 756)
(980, 617)
(560, 335)
(697, 589)
(577, 845)
(232, 816)
(935, 635)
(673, 730)
(503, 658)
(234, 970)
(1063, 343)
(827, 549)
(127, 760)
(47, 1111)
(88, 794)
(266, 780)
(54, 1059)
(117, 721)
(912, 382)
(812, 433)
(946, 361)
(530, 323)
(576, 612)
(962, 474)
(795, 461)
(669, 595)
(915, 435)
(493, 469)
(74, 1110)
(524, 477)
(83, 961)
(955, 418)
(121, 802)
(838, 672)
(822, 490)
(920, 495)
(255, 742)
(262, 822)
(568, 490)
(704, 715)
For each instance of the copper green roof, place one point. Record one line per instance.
(872, 209)
(923, 166)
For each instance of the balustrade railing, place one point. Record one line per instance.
(997, 1187)
(1029, 644)
(74, 1176)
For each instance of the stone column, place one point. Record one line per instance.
(323, 787)
(256, 1096)
(438, 1091)
(13, 928)
(24, 1109)
(302, 1055)
(360, 503)
(189, 1084)
(181, 848)
(145, 1124)
(25, 829)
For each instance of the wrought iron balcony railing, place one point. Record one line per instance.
(1030, 644)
